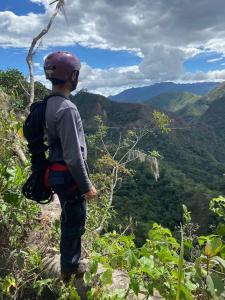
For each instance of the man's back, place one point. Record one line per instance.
(66, 138)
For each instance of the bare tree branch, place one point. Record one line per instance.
(129, 156)
(138, 138)
(105, 147)
(33, 48)
(119, 145)
(112, 187)
(35, 41)
(24, 89)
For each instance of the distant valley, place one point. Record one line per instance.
(193, 153)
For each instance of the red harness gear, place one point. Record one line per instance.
(61, 168)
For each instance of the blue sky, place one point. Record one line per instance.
(104, 59)
(21, 7)
(207, 61)
(96, 58)
(116, 50)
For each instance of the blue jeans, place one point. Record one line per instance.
(73, 219)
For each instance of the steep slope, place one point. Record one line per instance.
(215, 94)
(91, 105)
(186, 147)
(173, 102)
(191, 170)
(124, 115)
(215, 117)
(145, 93)
(194, 111)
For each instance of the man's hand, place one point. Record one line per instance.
(91, 194)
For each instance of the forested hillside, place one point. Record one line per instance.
(191, 167)
(193, 112)
(214, 116)
(134, 226)
(183, 100)
(173, 102)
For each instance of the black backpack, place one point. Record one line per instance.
(34, 131)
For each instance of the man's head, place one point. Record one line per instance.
(62, 69)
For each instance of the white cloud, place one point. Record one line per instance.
(163, 33)
(111, 81)
(217, 75)
(106, 82)
(215, 59)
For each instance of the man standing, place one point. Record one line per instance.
(68, 175)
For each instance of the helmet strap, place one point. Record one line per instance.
(74, 80)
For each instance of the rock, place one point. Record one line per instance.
(52, 210)
(121, 282)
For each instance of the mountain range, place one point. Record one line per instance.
(145, 93)
(186, 105)
(193, 154)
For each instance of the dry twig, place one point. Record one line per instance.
(36, 41)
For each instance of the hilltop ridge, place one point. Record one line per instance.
(145, 93)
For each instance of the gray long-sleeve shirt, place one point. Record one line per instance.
(66, 139)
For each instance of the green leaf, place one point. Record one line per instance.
(20, 262)
(218, 284)
(134, 285)
(215, 285)
(222, 252)
(185, 293)
(74, 295)
(147, 264)
(150, 288)
(87, 278)
(11, 197)
(186, 215)
(220, 261)
(8, 283)
(217, 205)
(93, 267)
(106, 277)
(210, 285)
(198, 266)
(221, 229)
(165, 255)
(132, 260)
(202, 240)
(188, 243)
(213, 247)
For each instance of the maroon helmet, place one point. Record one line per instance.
(60, 65)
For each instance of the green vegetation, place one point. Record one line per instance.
(191, 167)
(173, 102)
(193, 112)
(158, 265)
(134, 227)
(14, 84)
(189, 107)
